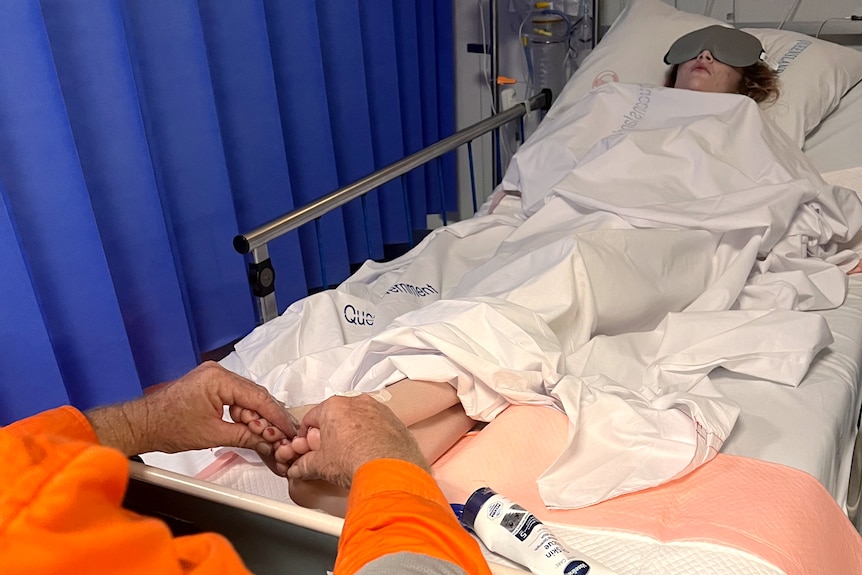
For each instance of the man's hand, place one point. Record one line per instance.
(187, 414)
(341, 434)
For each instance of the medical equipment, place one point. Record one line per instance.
(555, 37)
(548, 51)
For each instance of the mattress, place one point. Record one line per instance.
(812, 427)
(733, 515)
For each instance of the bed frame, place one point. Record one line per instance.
(254, 243)
(271, 537)
(274, 537)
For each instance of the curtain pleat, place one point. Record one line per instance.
(48, 201)
(92, 62)
(347, 99)
(307, 130)
(139, 137)
(28, 358)
(428, 97)
(241, 68)
(377, 21)
(166, 41)
(444, 49)
(409, 96)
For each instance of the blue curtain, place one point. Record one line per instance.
(138, 137)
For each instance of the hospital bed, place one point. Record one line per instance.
(802, 439)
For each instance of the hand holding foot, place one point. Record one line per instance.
(271, 439)
(188, 414)
(343, 433)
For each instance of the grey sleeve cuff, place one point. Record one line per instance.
(406, 563)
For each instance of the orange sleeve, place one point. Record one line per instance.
(395, 506)
(61, 509)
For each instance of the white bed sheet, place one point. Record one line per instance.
(811, 427)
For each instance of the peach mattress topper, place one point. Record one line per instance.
(777, 518)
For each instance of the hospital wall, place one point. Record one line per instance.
(472, 69)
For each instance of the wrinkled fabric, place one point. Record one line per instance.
(61, 509)
(664, 233)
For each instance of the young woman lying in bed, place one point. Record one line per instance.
(713, 59)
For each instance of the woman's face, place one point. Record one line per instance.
(706, 74)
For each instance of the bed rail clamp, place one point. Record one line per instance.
(543, 104)
(261, 277)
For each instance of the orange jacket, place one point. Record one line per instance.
(60, 512)
(395, 506)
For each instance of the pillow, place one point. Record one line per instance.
(814, 74)
(834, 144)
(633, 49)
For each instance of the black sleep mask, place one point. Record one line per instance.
(727, 45)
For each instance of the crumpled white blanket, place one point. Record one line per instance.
(664, 233)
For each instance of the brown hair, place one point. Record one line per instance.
(759, 82)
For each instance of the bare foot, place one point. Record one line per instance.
(278, 453)
(276, 450)
(319, 494)
(299, 446)
(272, 438)
(315, 494)
(257, 424)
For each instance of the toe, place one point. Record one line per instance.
(300, 445)
(273, 434)
(257, 426)
(313, 438)
(236, 413)
(249, 415)
(284, 452)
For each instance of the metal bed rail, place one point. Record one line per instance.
(254, 243)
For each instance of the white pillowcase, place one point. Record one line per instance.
(814, 73)
(834, 144)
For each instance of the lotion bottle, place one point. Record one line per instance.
(510, 530)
